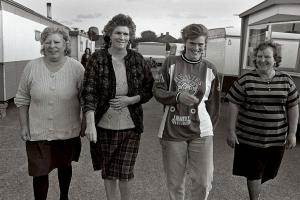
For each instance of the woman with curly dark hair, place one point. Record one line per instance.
(116, 84)
(264, 117)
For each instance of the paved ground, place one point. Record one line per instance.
(149, 183)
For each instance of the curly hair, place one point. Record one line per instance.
(50, 30)
(193, 31)
(275, 48)
(119, 20)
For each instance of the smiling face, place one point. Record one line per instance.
(54, 47)
(265, 60)
(194, 48)
(120, 37)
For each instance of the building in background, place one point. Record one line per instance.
(277, 20)
(79, 42)
(223, 46)
(20, 29)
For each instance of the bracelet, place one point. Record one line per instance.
(177, 97)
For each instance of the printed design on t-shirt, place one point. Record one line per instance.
(190, 84)
(181, 120)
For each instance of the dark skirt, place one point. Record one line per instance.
(115, 153)
(256, 163)
(44, 156)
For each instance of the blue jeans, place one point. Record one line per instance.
(196, 156)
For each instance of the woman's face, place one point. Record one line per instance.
(87, 51)
(265, 59)
(54, 46)
(120, 37)
(194, 48)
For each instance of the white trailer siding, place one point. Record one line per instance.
(223, 51)
(1, 38)
(19, 38)
(232, 49)
(18, 45)
(215, 53)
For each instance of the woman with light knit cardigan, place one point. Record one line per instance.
(49, 109)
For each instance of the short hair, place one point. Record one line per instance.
(193, 31)
(119, 20)
(50, 30)
(275, 48)
(90, 51)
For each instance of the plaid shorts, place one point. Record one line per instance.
(115, 153)
(257, 163)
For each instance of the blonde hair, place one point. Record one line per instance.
(193, 31)
(50, 30)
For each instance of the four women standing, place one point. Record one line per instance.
(263, 105)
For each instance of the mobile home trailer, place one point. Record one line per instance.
(222, 50)
(20, 29)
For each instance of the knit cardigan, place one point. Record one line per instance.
(99, 85)
(53, 99)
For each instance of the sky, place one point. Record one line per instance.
(159, 16)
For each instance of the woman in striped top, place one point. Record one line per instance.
(264, 117)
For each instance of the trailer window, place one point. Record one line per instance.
(256, 35)
(37, 35)
(288, 36)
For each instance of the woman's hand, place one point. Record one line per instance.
(232, 139)
(91, 132)
(25, 134)
(83, 127)
(120, 102)
(290, 141)
(187, 99)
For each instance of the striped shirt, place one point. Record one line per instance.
(262, 118)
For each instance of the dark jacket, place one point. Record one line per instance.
(99, 85)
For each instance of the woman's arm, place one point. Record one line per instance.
(24, 122)
(90, 130)
(147, 85)
(90, 93)
(293, 116)
(213, 103)
(161, 87)
(232, 138)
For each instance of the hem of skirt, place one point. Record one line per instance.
(117, 178)
(49, 171)
(263, 178)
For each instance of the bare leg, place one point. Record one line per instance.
(111, 189)
(125, 189)
(254, 188)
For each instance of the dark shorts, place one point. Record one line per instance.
(44, 156)
(257, 163)
(115, 153)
